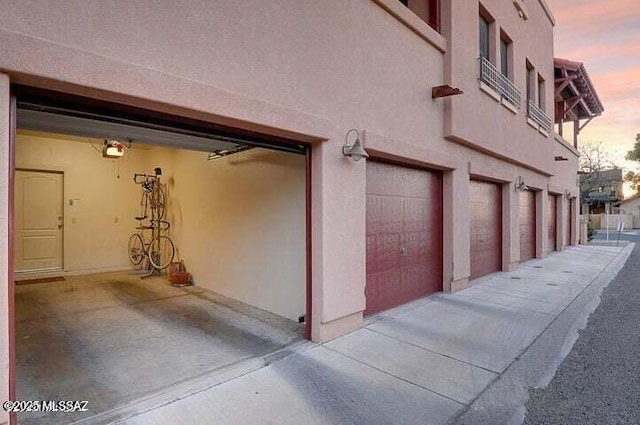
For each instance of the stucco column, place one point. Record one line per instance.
(510, 227)
(338, 240)
(4, 242)
(542, 225)
(457, 239)
(575, 214)
(562, 225)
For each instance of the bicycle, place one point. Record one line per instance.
(153, 196)
(159, 248)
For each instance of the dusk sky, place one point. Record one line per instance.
(605, 36)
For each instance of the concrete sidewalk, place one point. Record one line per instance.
(428, 362)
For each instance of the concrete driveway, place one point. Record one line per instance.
(442, 359)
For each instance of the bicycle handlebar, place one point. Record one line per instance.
(145, 177)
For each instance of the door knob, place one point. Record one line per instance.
(403, 251)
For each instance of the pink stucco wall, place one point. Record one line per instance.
(311, 70)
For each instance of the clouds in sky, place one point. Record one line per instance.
(605, 36)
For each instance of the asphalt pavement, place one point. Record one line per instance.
(599, 381)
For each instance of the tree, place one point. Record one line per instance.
(632, 177)
(594, 172)
(634, 155)
(593, 158)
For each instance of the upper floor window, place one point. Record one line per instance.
(427, 10)
(541, 92)
(531, 90)
(505, 55)
(484, 37)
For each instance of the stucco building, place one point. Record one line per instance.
(453, 102)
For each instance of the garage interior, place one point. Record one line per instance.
(87, 326)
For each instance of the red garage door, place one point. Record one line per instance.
(527, 225)
(404, 235)
(486, 228)
(567, 224)
(551, 220)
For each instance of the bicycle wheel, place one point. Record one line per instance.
(161, 252)
(158, 202)
(136, 249)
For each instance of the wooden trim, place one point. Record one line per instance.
(11, 290)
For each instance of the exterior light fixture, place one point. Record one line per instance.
(355, 152)
(113, 149)
(568, 195)
(520, 185)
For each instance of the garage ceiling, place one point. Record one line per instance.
(86, 127)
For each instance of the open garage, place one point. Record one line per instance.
(217, 275)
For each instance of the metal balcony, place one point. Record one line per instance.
(492, 77)
(539, 116)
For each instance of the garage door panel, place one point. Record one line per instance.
(567, 225)
(527, 215)
(414, 285)
(378, 285)
(387, 254)
(404, 235)
(384, 214)
(552, 227)
(485, 200)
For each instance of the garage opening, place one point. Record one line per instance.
(485, 200)
(404, 235)
(216, 274)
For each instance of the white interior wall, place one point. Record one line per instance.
(239, 224)
(97, 227)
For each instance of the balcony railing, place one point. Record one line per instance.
(539, 116)
(492, 77)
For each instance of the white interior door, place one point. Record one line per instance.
(38, 221)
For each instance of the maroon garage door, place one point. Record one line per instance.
(551, 220)
(527, 225)
(404, 235)
(486, 228)
(567, 225)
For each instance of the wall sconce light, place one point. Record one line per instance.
(568, 195)
(520, 185)
(355, 152)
